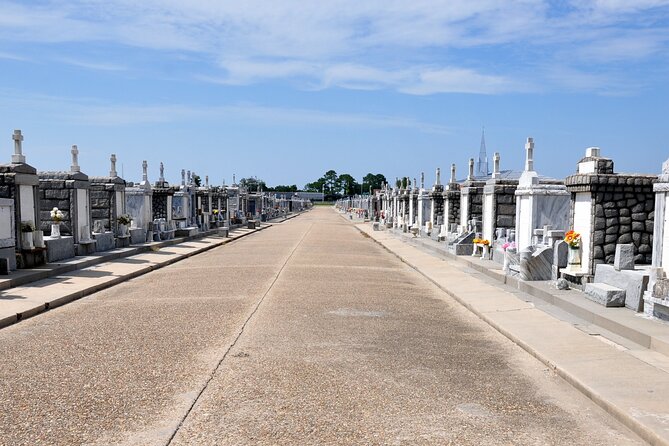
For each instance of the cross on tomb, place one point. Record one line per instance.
(422, 180)
(75, 159)
(470, 176)
(438, 183)
(145, 173)
(452, 173)
(495, 168)
(529, 155)
(206, 180)
(18, 156)
(112, 171)
(183, 177)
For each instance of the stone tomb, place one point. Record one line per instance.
(499, 202)
(437, 206)
(20, 184)
(7, 234)
(138, 204)
(423, 206)
(609, 209)
(183, 208)
(70, 193)
(471, 199)
(540, 202)
(161, 203)
(203, 205)
(107, 204)
(656, 298)
(452, 203)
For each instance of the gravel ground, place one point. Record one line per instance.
(347, 346)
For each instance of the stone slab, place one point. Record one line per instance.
(123, 241)
(624, 257)
(59, 248)
(634, 282)
(104, 241)
(9, 253)
(85, 248)
(137, 236)
(604, 294)
(186, 232)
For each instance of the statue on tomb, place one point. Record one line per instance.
(162, 172)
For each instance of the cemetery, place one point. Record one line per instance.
(47, 217)
(597, 232)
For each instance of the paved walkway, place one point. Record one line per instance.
(305, 333)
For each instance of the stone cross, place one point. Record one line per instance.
(75, 160)
(206, 181)
(18, 156)
(470, 175)
(495, 168)
(112, 171)
(183, 177)
(162, 173)
(234, 179)
(190, 178)
(529, 155)
(145, 173)
(422, 180)
(453, 173)
(438, 183)
(414, 182)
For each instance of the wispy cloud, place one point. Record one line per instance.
(411, 47)
(93, 112)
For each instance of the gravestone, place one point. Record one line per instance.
(624, 258)
(499, 202)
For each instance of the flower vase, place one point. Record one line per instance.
(27, 240)
(505, 265)
(55, 230)
(574, 258)
(485, 252)
(122, 230)
(475, 250)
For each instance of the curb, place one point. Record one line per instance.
(634, 425)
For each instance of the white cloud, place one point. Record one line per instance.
(414, 47)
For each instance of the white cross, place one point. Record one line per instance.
(529, 155)
(452, 173)
(112, 172)
(145, 174)
(18, 150)
(75, 159)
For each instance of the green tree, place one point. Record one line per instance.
(348, 184)
(253, 184)
(375, 181)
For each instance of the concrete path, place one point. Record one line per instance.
(306, 333)
(71, 280)
(632, 384)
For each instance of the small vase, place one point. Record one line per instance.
(122, 230)
(485, 254)
(574, 258)
(505, 266)
(55, 230)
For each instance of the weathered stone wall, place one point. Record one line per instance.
(103, 201)
(54, 193)
(623, 212)
(160, 202)
(473, 193)
(452, 196)
(505, 204)
(437, 199)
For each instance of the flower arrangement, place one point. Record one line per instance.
(123, 219)
(215, 211)
(509, 245)
(481, 241)
(573, 239)
(57, 215)
(27, 226)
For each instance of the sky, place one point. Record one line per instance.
(286, 90)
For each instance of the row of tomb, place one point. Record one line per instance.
(52, 216)
(527, 222)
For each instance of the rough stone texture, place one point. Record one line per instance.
(104, 241)
(452, 197)
(59, 248)
(472, 191)
(103, 201)
(624, 257)
(159, 202)
(604, 294)
(635, 204)
(437, 200)
(633, 282)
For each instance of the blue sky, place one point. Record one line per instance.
(287, 90)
